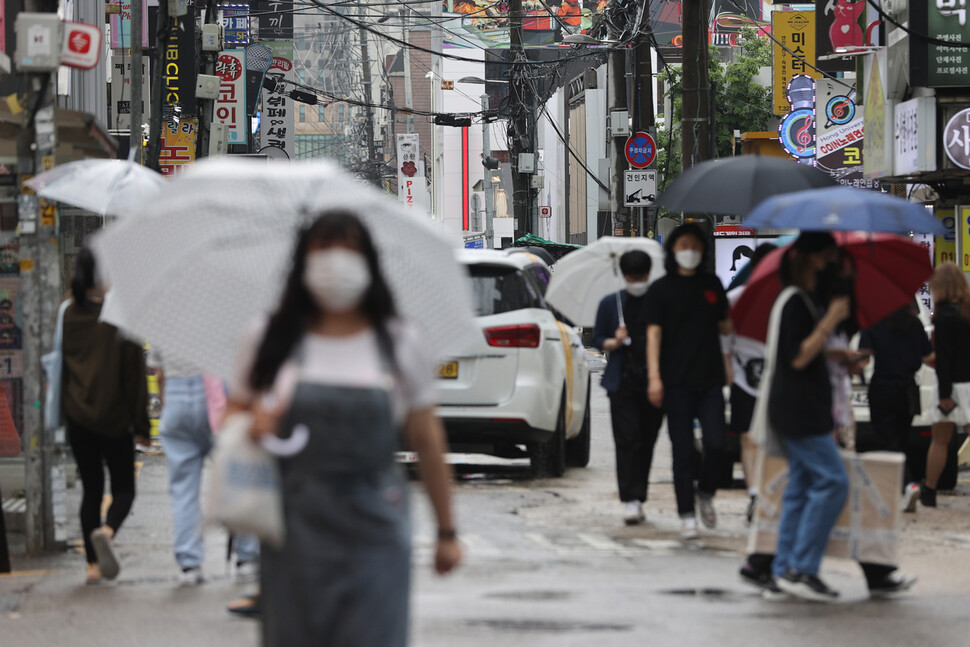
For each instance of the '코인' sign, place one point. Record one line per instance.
(641, 150)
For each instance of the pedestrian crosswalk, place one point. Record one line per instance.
(565, 544)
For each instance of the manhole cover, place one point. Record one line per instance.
(544, 626)
(539, 596)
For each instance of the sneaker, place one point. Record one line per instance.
(708, 515)
(806, 587)
(688, 528)
(633, 513)
(751, 575)
(891, 584)
(927, 495)
(191, 577)
(749, 513)
(105, 552)
(910, 496)
(773, 592)
(247, 571)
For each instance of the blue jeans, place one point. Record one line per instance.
(817, 490)
(683, 405)
(187, 440)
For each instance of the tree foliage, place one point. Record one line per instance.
(740, 103)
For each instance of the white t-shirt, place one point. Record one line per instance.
(346, 361)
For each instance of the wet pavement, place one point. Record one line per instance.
(548, 563)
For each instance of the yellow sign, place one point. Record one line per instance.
(945, 246)
(48, 213)
(793, 53)
(26, 265)
(47, 162)
(965, 238)
(179, 140)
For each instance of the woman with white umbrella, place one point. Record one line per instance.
(336, 365)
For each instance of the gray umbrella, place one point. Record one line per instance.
(738, 184)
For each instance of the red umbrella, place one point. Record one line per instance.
(889, 271)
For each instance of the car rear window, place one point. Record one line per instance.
(497, 289)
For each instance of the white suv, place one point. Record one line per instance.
(526, 381)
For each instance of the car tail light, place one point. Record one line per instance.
(526, 336)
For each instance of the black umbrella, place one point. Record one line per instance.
(738, 184)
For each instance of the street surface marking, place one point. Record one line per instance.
(601, 542)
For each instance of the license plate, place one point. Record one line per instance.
(860, 399)
(448, 371)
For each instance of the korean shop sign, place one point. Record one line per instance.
(956, 139)
(793, 53)
(948, 66)
(230, 107)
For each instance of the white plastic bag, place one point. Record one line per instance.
(244, 494)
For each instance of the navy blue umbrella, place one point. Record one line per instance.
(843, 208)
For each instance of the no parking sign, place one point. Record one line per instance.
(641, 150)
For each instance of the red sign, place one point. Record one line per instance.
(281, 64)
(82, 45)
(641, 150)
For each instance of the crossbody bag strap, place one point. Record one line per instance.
(59, 327)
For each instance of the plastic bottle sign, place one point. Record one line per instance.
(82, 45)
(641, 150)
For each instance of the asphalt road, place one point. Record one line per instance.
(548, 563)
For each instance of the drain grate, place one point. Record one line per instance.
(544, 626)
(536, 596)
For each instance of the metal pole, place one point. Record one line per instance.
(617, 100)
(373, 177)
(135, 136)
(487, 179)
(519, 126)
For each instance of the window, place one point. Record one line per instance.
(320, 114)
(302, 114)
(498, 289)
(302, 74)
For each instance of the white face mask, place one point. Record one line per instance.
(689, 259)
(637, 289)
(336, 279)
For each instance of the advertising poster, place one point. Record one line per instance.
(839, 134)
(121, 25)
(179, 140)
(230, 107)
(121, 91)
(235, 22)
(276, 127)
(731, 254)
(796, 31)
(11, 351)
(839, 24)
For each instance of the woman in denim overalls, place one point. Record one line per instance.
(338, 377)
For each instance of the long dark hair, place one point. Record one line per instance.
(298, 311)
(84, 278)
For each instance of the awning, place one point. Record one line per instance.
(79, 135)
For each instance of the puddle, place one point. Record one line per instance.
(544, 626)
(725, 595)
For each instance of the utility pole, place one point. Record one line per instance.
(643, 100)
(372, 176)
(520, 128)
(617, 101)
(408, 95)
(487, 178)
(134, 135)
(696, 116)
(39, 283)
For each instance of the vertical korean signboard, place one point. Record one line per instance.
(235, 22)
(121, 91)
(178, 145)
(948, 66)
(230, 107)
(276, 127)
(275, 19)
(411, 183)
(178, 78)
(793, 52)
(839, 134)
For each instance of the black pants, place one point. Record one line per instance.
(636, 424)
(92, 451)
(892, 406)
(875, 573)
(683, 405)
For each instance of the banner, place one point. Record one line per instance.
(121, 25)
(121, 91)
(796, 31)
(277, 125)
(179, 140)
(230, 107)
(275, 19)
(839, 24)
(412, 188)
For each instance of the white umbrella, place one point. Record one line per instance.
(193, 280)
(582, 278)
(105, 187)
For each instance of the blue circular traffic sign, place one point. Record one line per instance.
(641, 150)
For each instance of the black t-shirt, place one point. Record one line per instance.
(898, 349)
(688, 310)
(634, 374)
(801, 401)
